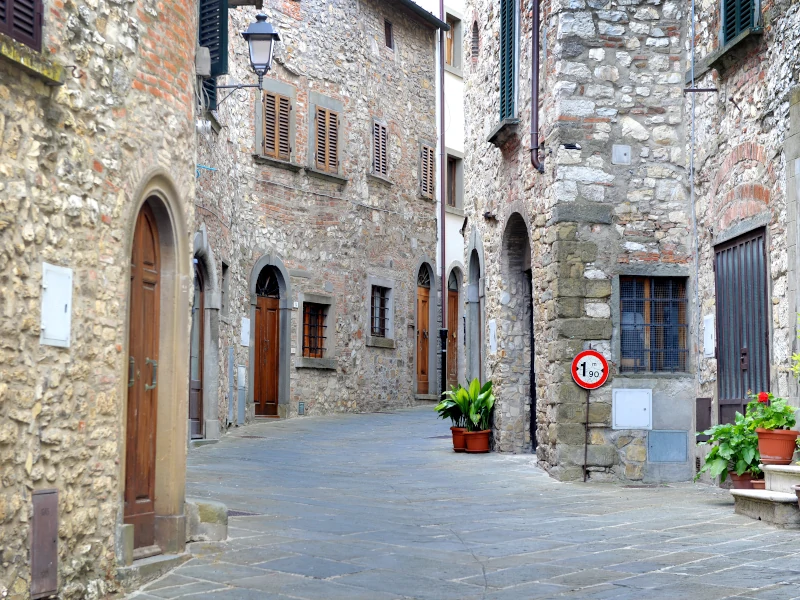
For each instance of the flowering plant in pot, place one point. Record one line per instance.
(481, 402)
(455, 406)
(773, 420)
(734, 452)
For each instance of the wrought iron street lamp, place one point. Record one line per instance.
(260, 37)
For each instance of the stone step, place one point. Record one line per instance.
(778, 508)
(781, 478)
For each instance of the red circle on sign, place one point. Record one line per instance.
(583, 375)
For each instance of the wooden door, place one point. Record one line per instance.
(423, 335)
(196, 359)
(140, 448)
(742, 322)
(265, 393)
(452, 335)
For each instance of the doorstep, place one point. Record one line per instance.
(777, 508)
(148, 569)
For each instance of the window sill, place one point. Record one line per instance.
(454, 71)
(729, 50)
(325, 175)
(380, 178)
(32, 62)
(315, 363)
(503, 131)
(380, 342)
(426, 198)
(454, 210)
(275, 162)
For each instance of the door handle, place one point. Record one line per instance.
(155, 374)
(425, 334)
(744, 360)
(131, 371)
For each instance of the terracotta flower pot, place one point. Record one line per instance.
(776, 446)
(758, 484)
(741, 482)
(477, 441)
(459, 445)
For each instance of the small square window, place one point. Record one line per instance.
(379, 312)
(389, 34)
(314, 316)
(654, 325)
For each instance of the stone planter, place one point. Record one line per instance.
(776, 446)
(459, 444)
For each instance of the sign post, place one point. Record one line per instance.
(590, 371)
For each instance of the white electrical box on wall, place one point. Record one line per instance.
(56, 321)
(709, 337)
(632, 409)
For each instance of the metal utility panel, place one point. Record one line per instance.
(44, 544)
(667, 446)
(632, 409)
(56, 321)
(241, 381)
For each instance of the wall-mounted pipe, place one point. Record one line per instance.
(537, 164)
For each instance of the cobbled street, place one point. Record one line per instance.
(377, 506)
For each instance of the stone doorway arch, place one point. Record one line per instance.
(475, 309)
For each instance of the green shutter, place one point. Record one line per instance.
(213, 33)
(738, 17)
(507, 59)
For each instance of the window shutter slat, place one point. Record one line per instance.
(213, 33)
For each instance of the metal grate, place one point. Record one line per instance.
(379, 311)
(267, 284)
(314, 329)
(424, 278)
(452, 282)
(654, 325)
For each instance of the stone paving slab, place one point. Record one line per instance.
(378, 507)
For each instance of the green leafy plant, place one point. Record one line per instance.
(770, 412)
(481, 402)
(455, 406)
(735, 449)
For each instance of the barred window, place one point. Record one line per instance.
(654, 324)
(314, 329)
(379, 313)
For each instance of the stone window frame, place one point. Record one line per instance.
(457, 68)
(284, 89)
(661, 270)
(316, 99)
(389, 340)
(458, 209)
(328, 361)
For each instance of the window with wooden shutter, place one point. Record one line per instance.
(737, 16)
(277, 110)
(449, 39)
(427, 168)
(212, 33)
(380, 149)
(314, 329)
(327, 148)
(507, 49)
(22, 20)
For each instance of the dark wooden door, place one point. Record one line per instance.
(140, 448)
(196, 359)
(423, 335)
(267, 343)
(452, 333)
(742, 322)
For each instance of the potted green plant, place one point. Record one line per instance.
(455, 407)
(773, 420)
(481, 402)
(734, 452)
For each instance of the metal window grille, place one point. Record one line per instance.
(654, 325)
(314, 329)
(379, 314)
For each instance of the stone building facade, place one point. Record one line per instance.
(324, 236)
(97, 148)
(595, 251)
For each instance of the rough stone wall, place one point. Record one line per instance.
(612, 74)
(71, 159)
(329, 234)
(746, 152)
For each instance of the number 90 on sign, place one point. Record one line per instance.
(590, 369)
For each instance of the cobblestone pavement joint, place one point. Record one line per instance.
(378, 506)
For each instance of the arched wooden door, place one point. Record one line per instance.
(196, 359)
(267, 344)
(423, 328)
(452, 330)
(140, 448)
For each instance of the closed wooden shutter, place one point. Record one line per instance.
(213, 33)
(506, 59)
(427, 172)
(22, 20)
(476, 44)
(327, 153)
(380, 156)
(276, 126)
(738, 17)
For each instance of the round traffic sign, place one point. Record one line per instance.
(590, 369)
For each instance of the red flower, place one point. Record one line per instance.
(763, 397)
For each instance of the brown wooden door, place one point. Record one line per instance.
(140, 449)
(267, 342)
(452, 335)
(196, 359)
(423, 335)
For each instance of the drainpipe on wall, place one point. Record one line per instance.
(537, 164)
(443, 202)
